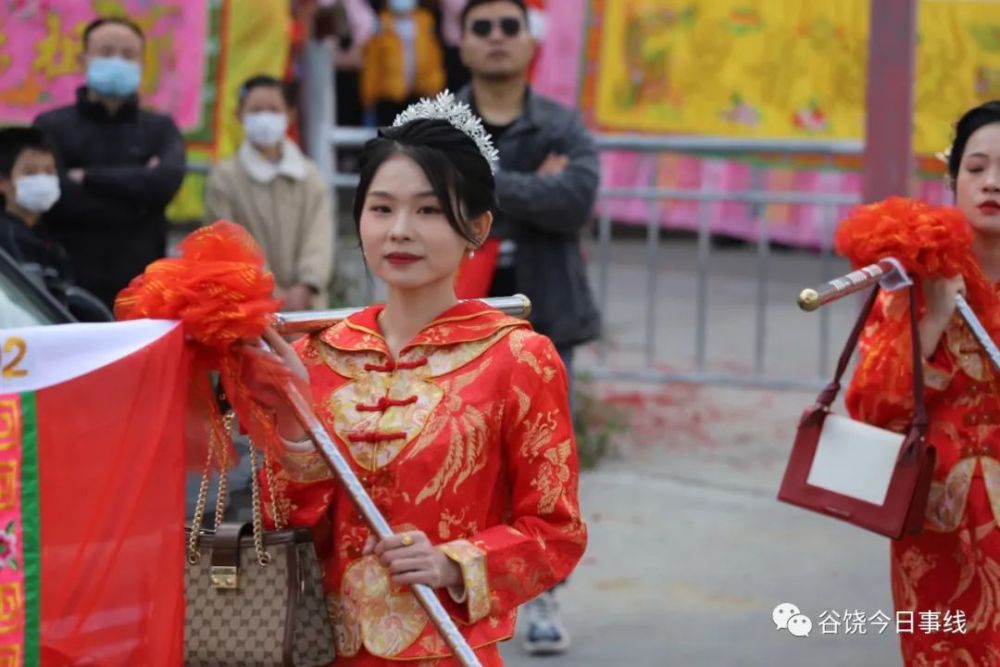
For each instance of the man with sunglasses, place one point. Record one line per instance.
(546, 186)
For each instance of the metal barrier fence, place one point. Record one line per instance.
(655, 196)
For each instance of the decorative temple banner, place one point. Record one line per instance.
(41, 43)
(92, 494)
(780, 69)
(958, 66)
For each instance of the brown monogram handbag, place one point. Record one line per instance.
(254, 597)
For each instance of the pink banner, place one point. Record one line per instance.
(556, 72)
(806, 225)
(41, 44)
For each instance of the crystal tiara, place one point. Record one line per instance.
(459, 115)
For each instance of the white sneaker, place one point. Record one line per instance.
(546, 633)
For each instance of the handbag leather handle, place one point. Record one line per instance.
(830, 392)
(920, 420)
(226, 543)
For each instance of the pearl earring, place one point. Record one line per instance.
(472, 253)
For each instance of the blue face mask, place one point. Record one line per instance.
(402, 6)
(113, 77)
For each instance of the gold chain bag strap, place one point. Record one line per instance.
(254, 597)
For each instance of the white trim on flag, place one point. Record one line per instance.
(33, 358)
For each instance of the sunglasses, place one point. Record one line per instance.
(509, 26)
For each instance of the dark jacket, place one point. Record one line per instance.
(545, 215)
(113, 224)
(44, 261)
(33, 248)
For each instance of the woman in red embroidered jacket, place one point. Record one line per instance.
(949, 576)
(455, 417)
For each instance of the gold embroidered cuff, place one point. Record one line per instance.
(472, 560)
(305, 466)
(934, 377)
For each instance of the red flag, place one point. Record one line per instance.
(94, 443)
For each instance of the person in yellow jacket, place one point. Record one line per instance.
(403, 61)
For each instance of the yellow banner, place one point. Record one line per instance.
(783, 68)
(254, 40)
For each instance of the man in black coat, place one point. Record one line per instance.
(120, 165)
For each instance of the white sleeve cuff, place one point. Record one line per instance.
(460, 596)
(298, 446)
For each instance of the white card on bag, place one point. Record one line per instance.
(855, 459)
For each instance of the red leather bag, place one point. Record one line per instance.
(871, 477)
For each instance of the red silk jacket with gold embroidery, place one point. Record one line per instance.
(963, 404)
(466, 436)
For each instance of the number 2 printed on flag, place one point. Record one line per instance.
(12, 357)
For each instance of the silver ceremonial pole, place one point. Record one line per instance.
(812, 298)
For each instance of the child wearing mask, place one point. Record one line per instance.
(278, 194)
(402, 62)
(29, 186)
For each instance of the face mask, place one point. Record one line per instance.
(402, 6)
(265, 128)
(36, 193)
(113, 77)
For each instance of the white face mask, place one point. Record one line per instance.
(265, 128)
(36, 193)
(402, 6)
